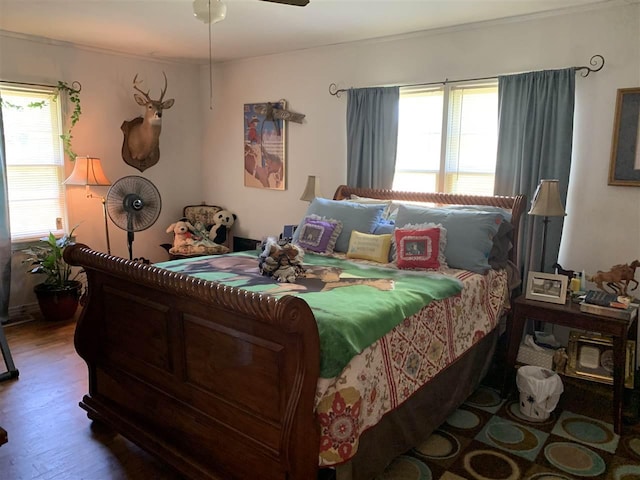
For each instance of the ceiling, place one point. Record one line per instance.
(167, 29)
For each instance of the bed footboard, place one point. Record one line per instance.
(216, 381)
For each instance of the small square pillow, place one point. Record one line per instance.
(318, 234)
(420, 247)
(469, 233)
(369, 247)
(354, 216)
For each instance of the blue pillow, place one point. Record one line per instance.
(470, 233)
(354, 216)
(499, 255)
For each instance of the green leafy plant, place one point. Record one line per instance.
(46, 258)
(73, 94)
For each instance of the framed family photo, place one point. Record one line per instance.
(547, 287)
(264, 147)
(624, 168)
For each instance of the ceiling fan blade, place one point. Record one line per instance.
(297, 3)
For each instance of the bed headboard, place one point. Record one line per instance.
(515, 204)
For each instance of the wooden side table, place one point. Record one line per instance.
(569, 315)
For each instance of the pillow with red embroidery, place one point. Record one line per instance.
(421, 247)
(318, 234)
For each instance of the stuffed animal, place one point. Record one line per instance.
(182, 233)
(282, 262)
(223, 221)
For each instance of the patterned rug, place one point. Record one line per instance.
(488, 438)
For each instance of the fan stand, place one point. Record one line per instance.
(134, 204)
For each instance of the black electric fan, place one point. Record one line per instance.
(133, 204)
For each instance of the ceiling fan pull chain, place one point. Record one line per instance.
(210, 62)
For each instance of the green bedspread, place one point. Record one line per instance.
(354, 304)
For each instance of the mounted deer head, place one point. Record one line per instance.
(140, 148)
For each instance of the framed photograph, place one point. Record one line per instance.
(264, 146)
(591, 358)
(547, 287)
(624, 168)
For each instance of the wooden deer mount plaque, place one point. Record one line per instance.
(139, 163)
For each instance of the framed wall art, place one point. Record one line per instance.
(624, 168)
(264, 146)
(547, 287)
(591, 358)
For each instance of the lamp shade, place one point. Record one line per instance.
(209, 11)
(87, 171)
(312, 190)
(546, 201)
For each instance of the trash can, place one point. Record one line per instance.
(540, 390)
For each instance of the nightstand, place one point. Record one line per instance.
(569, 315)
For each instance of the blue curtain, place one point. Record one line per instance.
(5, 234)
(372, 136)
(535, 136)
(5, 262)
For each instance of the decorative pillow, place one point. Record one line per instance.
(470, 233)
(369, 247)
(354, 216)
(420, 246)
(319, 234)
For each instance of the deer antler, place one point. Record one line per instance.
(135, 86)
(164, 90)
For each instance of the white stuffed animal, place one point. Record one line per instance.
(182, 233)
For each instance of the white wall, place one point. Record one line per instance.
(603, 223)
(202, 150)
(107, 100)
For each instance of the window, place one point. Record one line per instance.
(35, 160)
(447, 139)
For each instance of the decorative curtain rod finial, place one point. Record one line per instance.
(597, 62)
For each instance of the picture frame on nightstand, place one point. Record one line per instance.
(591, 358)
(547, 287)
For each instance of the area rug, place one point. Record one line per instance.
(488, 438)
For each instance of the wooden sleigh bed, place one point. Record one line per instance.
(169, 369)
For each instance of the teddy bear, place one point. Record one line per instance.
(283, 262)
(223, 221)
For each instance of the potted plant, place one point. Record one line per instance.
(59, 294)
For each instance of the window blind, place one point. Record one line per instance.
(34, 160)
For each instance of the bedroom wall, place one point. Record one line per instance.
(107, 100)
(602, 227)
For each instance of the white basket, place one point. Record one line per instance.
(540, 358)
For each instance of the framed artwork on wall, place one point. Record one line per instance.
(264, 147)
(624, 168)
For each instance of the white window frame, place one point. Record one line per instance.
(52, 177)
(446, 129)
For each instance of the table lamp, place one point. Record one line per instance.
(546, 203)
(88, 171)
(312, 190)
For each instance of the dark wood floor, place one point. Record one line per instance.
(50, 436)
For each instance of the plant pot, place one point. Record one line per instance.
(58, 303)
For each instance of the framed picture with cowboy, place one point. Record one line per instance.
(264, 146)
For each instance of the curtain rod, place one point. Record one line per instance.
(75, 85)
(597, 62)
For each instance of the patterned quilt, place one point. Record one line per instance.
(388, 372)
